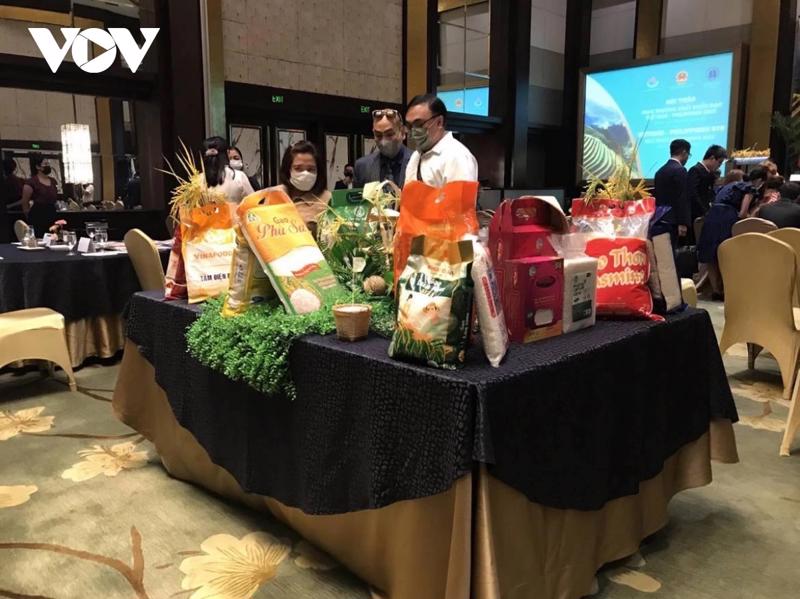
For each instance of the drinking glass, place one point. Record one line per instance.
(29, 239)
(71, 239)
(101, 237)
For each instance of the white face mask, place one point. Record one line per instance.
(303, 181)
(236, 165)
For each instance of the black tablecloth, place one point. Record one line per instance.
(572, 422)
(76, 286)
(152, 222)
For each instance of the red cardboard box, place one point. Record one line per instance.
(533, 297)
(521, 228)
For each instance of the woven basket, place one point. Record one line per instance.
(352, 321)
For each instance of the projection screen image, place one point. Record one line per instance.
(632, 114)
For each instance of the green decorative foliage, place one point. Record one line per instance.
(254, 347)
(788, 127)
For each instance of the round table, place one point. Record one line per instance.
(91, 291)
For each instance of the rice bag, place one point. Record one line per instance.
(208, 240)
(287, 252)
(249, 284)
(619, 242)
(494, 333)
(175, 277)
(445, 213)
(580, 282)
(434, 303)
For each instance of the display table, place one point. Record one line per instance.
(512, 482)
(90, 291)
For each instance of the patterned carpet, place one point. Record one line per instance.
(87, 511)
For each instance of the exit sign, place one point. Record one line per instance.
(277, 99)
(365, 109)
(36, 146)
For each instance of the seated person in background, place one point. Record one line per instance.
(770, 167)
(769, 194)
(346, 182)
(786, 211)
(236, 162)
(303, 178)
(732, 203)
(391, 158)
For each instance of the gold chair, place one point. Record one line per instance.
(791, 236)
(689, 292)
(35, 334)
(760, 274)
(146, 261)
(752, 225)
(20, 228)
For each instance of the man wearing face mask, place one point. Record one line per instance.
(346, 182)
(670, 189)
(391, 159)
(439, 157)
(39, 196)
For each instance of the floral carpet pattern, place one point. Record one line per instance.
(87, 511)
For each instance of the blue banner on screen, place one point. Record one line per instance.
(470, 101)
(650, 106)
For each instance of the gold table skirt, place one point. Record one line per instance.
(480, 539)
(95, 337)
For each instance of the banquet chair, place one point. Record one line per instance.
(689, 292)
(146, 261)
(20, 228)
(753, 225)
(35, 334)
(760, 273)
(791, 236)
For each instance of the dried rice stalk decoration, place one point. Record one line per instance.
(192, 191)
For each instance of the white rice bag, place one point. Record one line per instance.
(490, 309)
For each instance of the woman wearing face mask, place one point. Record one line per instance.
(220, 175)
(237, 163)
(39, 196)
(733, 202)
(303, 178)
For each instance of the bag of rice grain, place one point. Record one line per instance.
(434, 303)
(287, 252)
(445, 213)
(619, 242)
(492, 322)
(249, 284)
(208, 240)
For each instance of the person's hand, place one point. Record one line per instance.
(682, 230)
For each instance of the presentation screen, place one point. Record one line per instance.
(470, 101)
(630, 115)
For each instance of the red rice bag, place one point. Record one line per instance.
(619, 242)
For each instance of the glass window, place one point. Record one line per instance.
(464, 56)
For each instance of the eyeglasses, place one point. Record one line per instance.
(419, 123)
(389, 113)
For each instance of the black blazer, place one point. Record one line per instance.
(700, 189)
(784, 213)
(368, 168)
(670, 190)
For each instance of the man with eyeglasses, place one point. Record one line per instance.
(670, 189)
(390, 161)
(439, 157)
